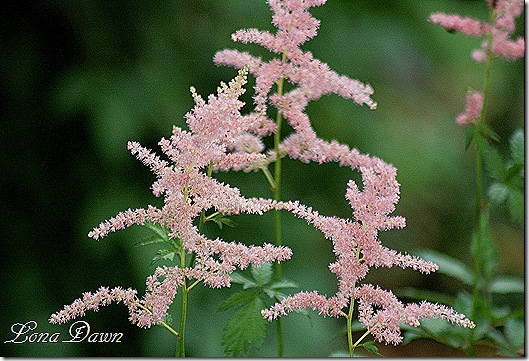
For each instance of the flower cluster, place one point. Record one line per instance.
(497, 32)
(315, 79)
(355, 242)
(473, 108)
(214, 128)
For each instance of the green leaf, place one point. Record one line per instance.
(168, 319)
(221, 220)
(487, 255)
(237, 300)
(516, 204)
(246, 328)
(236, 277)
(515, 333)
(448, 265)
(517, 145)
(506, 284)
(470, 134)
(493, 161)
(163, 254)
(262, 274)
(371, 348)
(161, 231)
(282, 284)
(498, 193)
(149, 240)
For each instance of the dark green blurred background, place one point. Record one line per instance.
(81, 78)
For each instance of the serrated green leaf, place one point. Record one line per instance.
(238, 299)
(262, 274)
(160, 231)
(163, 254)
(371, 348)
(498, 193)
(493, 161)
(238, 278)
(517, 146)
(448, 265)
(505, 284)
(246, 328)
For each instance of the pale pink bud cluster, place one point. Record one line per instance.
(218, 136)
(505, 13)
(473, 107)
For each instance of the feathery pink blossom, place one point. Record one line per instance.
(505, 12)
(218, 136)
(474, 104)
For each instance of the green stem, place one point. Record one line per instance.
(172, 330)
(350, 329)
(183, 313)
(277, 196)
(477, 289)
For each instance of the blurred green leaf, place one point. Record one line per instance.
(448, 265)
(517, 146)
(498, 193)
(514, 331)
(516, 203)
(493, 161)
(506, 284)
(470, 134)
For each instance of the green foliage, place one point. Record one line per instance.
(161, 235)
(247, 327)
(371, 348)
(508, 176)
(221, 220)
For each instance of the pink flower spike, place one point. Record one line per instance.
(473, 107)
(466, 25)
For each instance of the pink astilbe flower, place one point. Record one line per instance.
(473, 107)
(217, 131)
(504, 14)
(357, 249)
(295, 26)
(355, 242)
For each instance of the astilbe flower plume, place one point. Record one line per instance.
(355, 241)
(214, 127)
(498, 31)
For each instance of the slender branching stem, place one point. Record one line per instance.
(172, 330)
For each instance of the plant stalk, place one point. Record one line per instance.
(479, 292)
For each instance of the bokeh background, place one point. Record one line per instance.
(81, 78)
